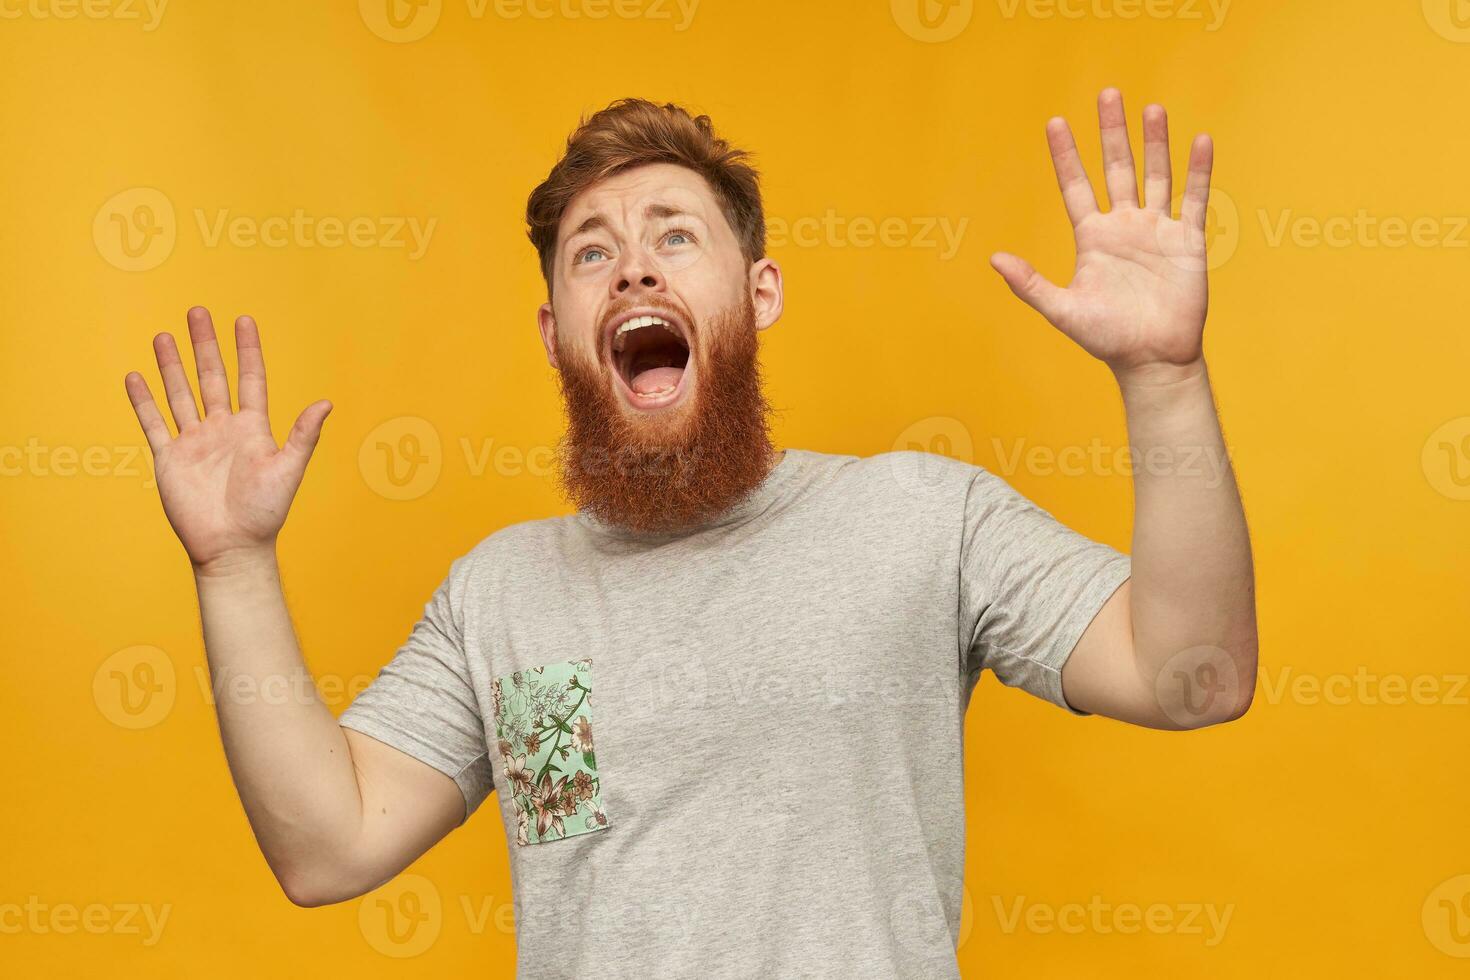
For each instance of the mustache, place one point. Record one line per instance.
(667, 472)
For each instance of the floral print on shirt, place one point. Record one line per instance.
(543, 726)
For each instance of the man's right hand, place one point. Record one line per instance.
(225, 484)
(335, 812)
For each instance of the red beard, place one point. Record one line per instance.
(679, 468)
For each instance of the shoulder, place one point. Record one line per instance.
(915, 473)
(909, 484)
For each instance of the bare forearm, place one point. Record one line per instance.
(1193, 586)
(287, 755)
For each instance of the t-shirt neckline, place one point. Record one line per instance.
(767, 492)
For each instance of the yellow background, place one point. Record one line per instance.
(1330, 829)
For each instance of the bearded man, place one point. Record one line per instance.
(721, 704)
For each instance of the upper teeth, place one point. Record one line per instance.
(636, 323)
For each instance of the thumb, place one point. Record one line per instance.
(1034, 289)
(304, 434)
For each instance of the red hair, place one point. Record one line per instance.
(634, 132)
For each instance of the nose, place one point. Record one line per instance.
(635, 266)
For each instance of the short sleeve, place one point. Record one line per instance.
(423, 701)
(1029, 587)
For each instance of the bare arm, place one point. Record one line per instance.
(1176, 646)
(335, 813)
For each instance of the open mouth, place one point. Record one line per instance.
(650, 353)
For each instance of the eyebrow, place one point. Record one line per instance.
(597, 220)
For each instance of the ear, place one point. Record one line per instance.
(546, 323)
(766, 292)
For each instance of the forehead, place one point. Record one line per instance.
(625, 197)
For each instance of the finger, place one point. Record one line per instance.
(1158, 177)
(175, 382)
(1071, 175)
(1196, 201)
(155, 429)
(214, 384)
(304, 434)
(1118, 170)
(252, 365)
(1034, 289)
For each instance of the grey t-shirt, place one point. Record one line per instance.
(737, 752)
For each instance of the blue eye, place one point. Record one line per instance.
(677, 234)
(590, 250)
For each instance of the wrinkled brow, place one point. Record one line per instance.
(598, 220)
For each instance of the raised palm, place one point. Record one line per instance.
(1139, 292)
(225, 485)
